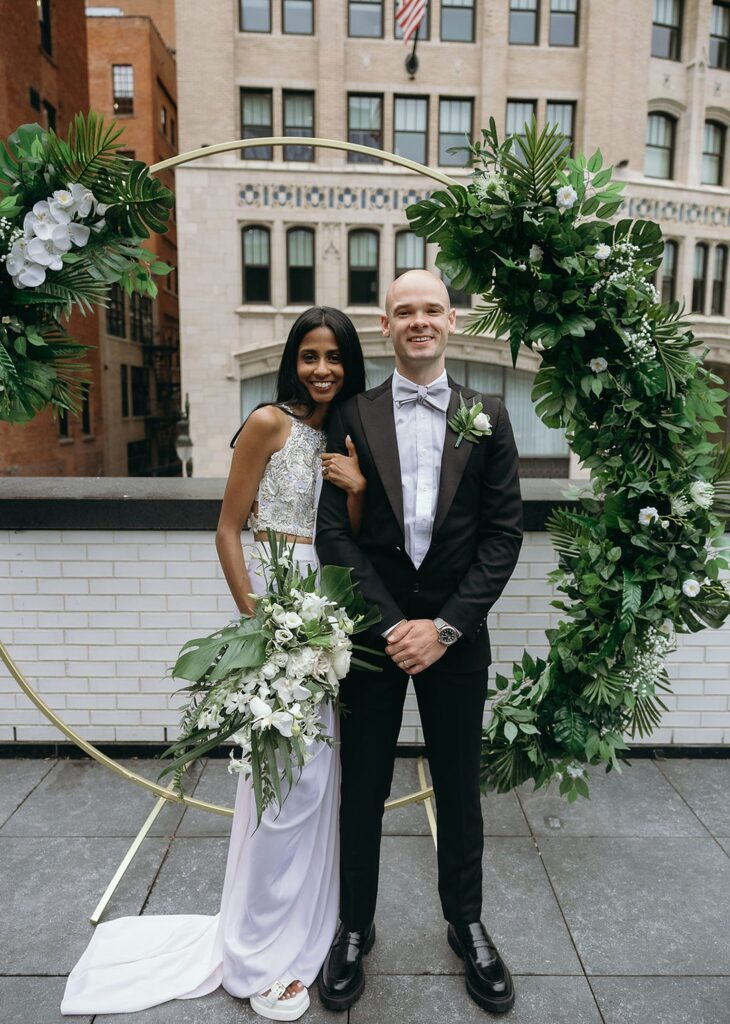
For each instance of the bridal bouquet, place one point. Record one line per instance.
(260, 681)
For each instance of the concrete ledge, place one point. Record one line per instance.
(163, 503)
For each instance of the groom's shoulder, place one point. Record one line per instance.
(490, 403)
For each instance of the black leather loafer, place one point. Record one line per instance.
(488, 980)
(341, 981)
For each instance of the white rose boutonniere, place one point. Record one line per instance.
(470, 423)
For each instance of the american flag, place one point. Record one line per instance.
(409, 15)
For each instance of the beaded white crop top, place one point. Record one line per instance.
(286, 492)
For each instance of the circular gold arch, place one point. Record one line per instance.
(168, 793)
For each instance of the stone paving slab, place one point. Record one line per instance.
(217, 786)
(34, 1001)
(49, 887)
(642, 907)
(725, 844)
(191, 878)
(18, 778)
(637, 802)
(444, 1000)
(83, 798)
(663, 1000)
(217, 1008)
(705, 785)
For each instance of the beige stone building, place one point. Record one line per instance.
(264, 234)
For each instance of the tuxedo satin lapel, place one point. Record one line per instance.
(453, 462)
(378, 422)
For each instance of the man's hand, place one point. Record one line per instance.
(414, 645)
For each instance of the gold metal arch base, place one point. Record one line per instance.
(163, 793)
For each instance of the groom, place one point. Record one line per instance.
(441, 532)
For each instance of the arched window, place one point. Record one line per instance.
(713, 153)
(300, 265)
(410, 252)
(256, 264)
(659, 153)
(699, 278)
(363, 268)
(719, 280)
(667, 283)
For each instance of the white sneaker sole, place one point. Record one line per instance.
(283, 1009)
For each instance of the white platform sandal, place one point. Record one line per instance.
(273, 1007)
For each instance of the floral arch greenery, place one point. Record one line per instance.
(530, 233)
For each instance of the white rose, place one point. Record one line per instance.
(598, 365)
(283, 635)
(292, 620)
(321, 664)
(691, 588)
(341, 661)
(566, 197)
(603, 251)
(647, 516)
(482, 422)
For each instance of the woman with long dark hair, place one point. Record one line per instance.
(280, 897)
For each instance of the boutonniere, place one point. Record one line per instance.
(470, 423)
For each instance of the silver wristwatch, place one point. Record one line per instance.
(447, 635)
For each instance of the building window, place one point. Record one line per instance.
(410, 122)
(699, 278)
(139, 458)
(720, 35)
(140, 318)
(456, 296)
(410, 252)
(364, 126)
(668, 273)
(365, 18)
(299, 121)
(124, 380)
(455, 127)
(256, 265)
(44, 21)
(423, 29)
(63, 423)
(457, 21)
(523, 22)
(140, 391)
(719, 280)
(255, 15)
(659, 154)
(163, 120)
(123, 88)
(563, 23)
(49, 115)
(256, 122)
(363, 268)
(173, 133)
(35, 99)
(713, 153)
(85, 411)
(519, 113)
(115, 321)
(563, 116)
(297, 17)
(666, 30)
(300, 266)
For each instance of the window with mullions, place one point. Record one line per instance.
(255, 15)
(49, 115)
(124, 381)
(720, 35)
(410, 252)
(457, 21)
(523, 22)
(85, 410)
(63, 423)
(140, 318)
(140, 391)
(299, 121)
(297, 17)
(713, 153)
(699, 278)
(659, 152)
(123, 88)
(563, 115)
(423, 28)
(115, 319)
(44, 22)
(410, 123)
(363, 268)
(365, 18)
(256, 265)
(666, 30)
(300, 266)
(719, 280)
(256, 122)
(667, 283)
(455, 127)
(519, 113)
(563, 23)
(364, 126)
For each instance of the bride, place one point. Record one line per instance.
(280, 896)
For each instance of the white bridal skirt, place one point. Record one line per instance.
(278, 909)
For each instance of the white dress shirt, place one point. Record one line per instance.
(420, 430)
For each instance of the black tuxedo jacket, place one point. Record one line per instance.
(477, 530)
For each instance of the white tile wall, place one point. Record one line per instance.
(95, 619)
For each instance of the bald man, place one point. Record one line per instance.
(440, 536)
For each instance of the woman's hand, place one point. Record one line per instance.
(344, 470)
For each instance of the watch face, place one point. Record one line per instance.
(448, 635)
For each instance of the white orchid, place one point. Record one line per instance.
(566, 197)
(44, 253)
(312, 607)
(647, 516)
(290, 690)
(598, 365)
(265, 717)
(691, 588)
(236, 702)
(702, 493)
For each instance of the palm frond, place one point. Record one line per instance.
(543, 155)
(89, 151)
